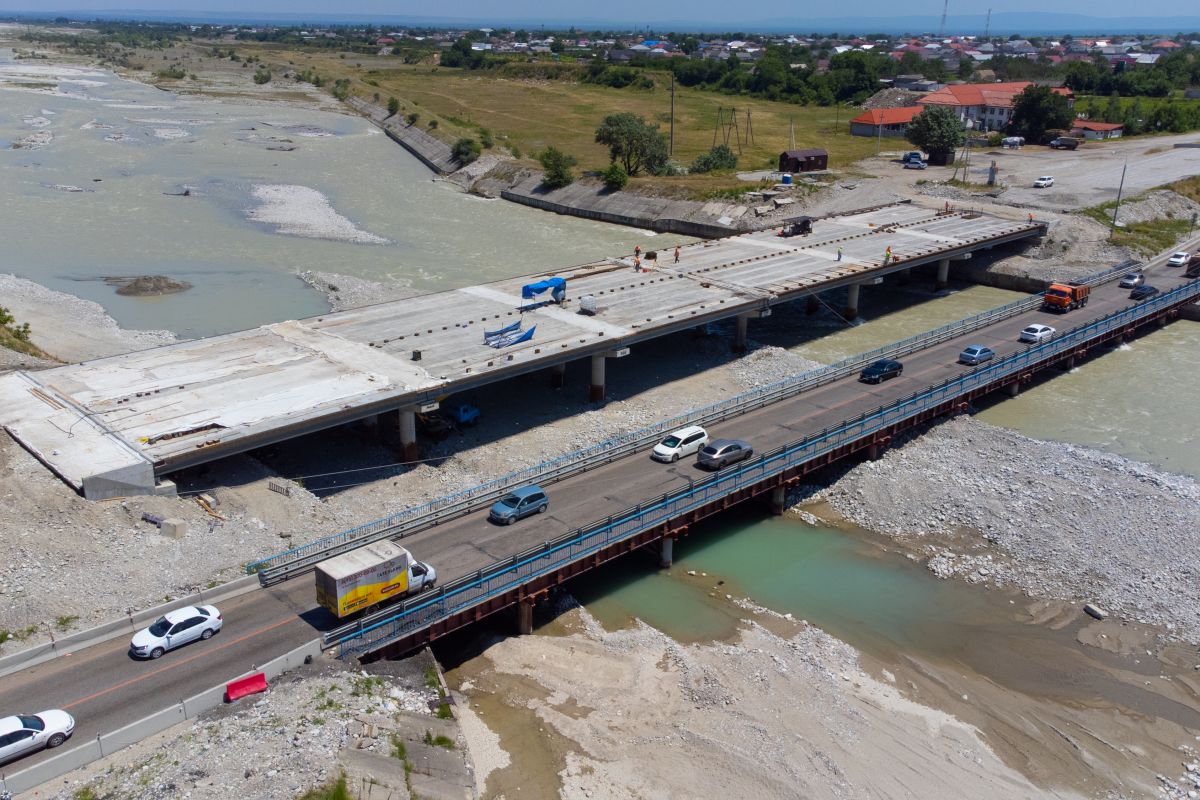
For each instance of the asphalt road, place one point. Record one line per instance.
(105, 688)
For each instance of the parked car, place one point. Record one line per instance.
(1179, 259)
(1143, 292)
(1044, 182)
(1132, 279)
(723, 452)
(915, 165)
(1064, 143)
(682, 442)
(22, 734)
(882, 370)
(519, 503)
(176, 628)
(1037, 333)
(913, 155)
(976, 354)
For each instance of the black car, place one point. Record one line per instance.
(1143, 292)
(881, 370)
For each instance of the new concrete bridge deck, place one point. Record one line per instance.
(114, 426)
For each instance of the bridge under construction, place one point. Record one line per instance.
(117, 426)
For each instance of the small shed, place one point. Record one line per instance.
(803, 160)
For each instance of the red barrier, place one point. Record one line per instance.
(251, 684)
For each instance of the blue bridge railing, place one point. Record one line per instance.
(420, 612)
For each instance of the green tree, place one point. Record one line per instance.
(412, 118)
(393, 107)
(466, 150)
(720, 157)
(614, 177)
(1037, 109)
(936, 130)
(557, 166)
(633, 142)
(1112, 110)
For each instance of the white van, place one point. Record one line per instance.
(682, 442)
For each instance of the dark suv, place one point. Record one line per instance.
(881, 370)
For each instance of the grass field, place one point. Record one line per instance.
(531, 114)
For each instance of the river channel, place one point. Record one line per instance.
(103, 177)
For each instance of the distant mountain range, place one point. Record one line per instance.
(1003, 23)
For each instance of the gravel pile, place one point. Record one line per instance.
(346, 291)
(276, 747)
(1056, 520)
(1162, 204)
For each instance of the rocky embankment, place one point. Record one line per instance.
(377, 727)
(1056, 520)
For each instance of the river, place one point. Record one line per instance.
(95, 188)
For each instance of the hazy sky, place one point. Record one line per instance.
(699, 11)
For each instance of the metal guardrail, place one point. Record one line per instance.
(285, 565)
(420, 612)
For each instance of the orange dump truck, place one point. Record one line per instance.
(1065, 297)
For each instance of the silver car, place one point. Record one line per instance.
(723, 452)
(24, 733)
(175, 629)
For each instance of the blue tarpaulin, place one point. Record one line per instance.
(555, 284)
(510, 337)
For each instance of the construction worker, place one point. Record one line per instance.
(676, 254)
(637, 263)
(1030, 217)
(637, 251)
(839, 252)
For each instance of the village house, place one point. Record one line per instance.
(1087, 129)
(984, 106)
(889, 122)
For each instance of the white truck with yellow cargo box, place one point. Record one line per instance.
(376, 573)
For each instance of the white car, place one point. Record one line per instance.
(1178, 259)
(1037, 333)
(24, 733)
(682, 442)
(1044, 182)
(176, 628)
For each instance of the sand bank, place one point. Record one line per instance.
(301, 211)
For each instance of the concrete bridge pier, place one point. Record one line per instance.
(596, 391)
(666, 553)
(408, 434)
(741, 333)
(558, 376)
(525, 616)
(943, 275)
(1013, 389)
(778, 500)
(852, 292)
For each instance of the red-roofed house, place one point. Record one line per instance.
(988, 106)
(1088, 129)
(1164, 46)
(884, 121)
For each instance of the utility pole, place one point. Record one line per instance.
(942, 27)
(792, 133)
(879, 134)
(987, 26)
(1120, 189)
(671, 149)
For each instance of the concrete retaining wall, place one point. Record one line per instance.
(431, 151)
(125, 626)
(637, 212)
(109, 743)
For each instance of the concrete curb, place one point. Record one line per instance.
(127, 626)
(109, 743)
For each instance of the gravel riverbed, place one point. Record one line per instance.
(1057, 520)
